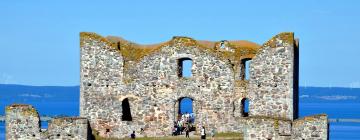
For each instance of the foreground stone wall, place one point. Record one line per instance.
(265, 128)
(311, 127)
(67, 128)
(23, 122)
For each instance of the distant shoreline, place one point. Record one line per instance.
(51, 86)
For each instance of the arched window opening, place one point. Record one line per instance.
(126, 113)
(184, 67)
(245, 107)
(222, 45)
(245, 64)
(186, 105)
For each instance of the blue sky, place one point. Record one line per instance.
(39, 40)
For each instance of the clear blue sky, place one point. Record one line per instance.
(39, 40)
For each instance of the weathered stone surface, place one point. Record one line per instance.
(23, 122)
(271, 90)
(311, 127)
(116, 73)
(113, 69)
(67, 128)
(265, 128)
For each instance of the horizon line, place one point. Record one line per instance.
(79, 86)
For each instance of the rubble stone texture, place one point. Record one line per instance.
(23, 122)
(129, 87)
(113, 69)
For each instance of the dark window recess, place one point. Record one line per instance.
(245, 107)
(126, 113)
(245, 68)
(118, 45)
(184, 67)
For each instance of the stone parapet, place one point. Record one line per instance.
(311, 127)
(23, 122)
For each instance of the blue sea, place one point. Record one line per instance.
(64, 101)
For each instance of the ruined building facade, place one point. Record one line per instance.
(129, 87)
(149, 78)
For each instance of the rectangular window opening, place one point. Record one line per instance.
(184, 66)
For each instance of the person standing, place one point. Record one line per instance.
(203, 134)
(213, 134)
(133, 135)
(187, 130)
(174, 131)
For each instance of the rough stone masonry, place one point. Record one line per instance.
(23, 123)
(129, 87)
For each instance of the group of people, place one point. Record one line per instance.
(178, 131)
(183, 123)
(187, 130)
(186, 117)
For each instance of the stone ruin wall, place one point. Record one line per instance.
(112, 71)
(100, 87)
(216, 86)
(153, 90)
(264, 128)
(23, 122)
(311, 127)
(271, 89)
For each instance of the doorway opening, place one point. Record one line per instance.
(126, 112)
(184, 116)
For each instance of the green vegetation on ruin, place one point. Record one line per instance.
(135, 52)
(286, 37)
(26, 110)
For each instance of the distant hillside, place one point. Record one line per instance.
(39, 93)
(327, 94)
(71, 93)
(48, 100)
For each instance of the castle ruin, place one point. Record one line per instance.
(129, 87)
